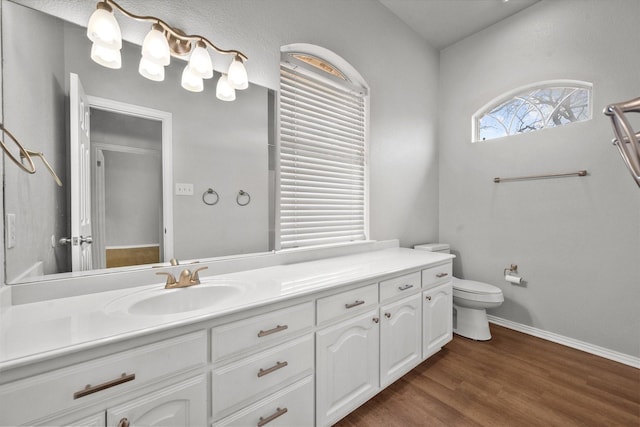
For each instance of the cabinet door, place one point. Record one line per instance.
(347, 366)
(400, 338)
(437, 318)
(181, 404)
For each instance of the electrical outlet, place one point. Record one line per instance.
(184, 189)
(11, 230)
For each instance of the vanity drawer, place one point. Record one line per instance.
(436, 275)
(240, 383)
(265, 329)
(347, 302)
(291, 406)
(401, 285)
(99, 379)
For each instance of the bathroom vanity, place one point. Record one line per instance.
(300, 344)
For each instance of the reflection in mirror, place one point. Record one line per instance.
(132, 173)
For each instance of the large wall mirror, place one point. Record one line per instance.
(150, 143)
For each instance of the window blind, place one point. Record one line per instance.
(322, 161)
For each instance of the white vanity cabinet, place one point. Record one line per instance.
(437, 309)
(52, 398)
(294, 358)
(347, 366)
(400, 338)
(257, 358)
(347, 352)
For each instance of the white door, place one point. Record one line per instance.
(80, 240)
(347, 366)
(437, 318)
(400, 338)
(182, 404)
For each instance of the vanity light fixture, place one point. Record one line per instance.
(162, 42)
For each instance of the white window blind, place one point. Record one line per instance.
(322, 161)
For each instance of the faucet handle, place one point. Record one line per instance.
(174, 262)
(195, 278)
(171, 279)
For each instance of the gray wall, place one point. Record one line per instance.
(39, 123)
(576, 240)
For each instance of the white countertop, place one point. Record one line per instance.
(38, 331)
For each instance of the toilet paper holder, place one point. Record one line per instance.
(510, 277)
(512, 269)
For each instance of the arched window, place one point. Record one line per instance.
(322, 148)
(535, 107)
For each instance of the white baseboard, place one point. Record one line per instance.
(569, 342)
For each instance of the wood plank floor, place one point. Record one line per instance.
(513, 380)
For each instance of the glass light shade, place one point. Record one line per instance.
(238, 74)
(151, 70)
(200, 62)
(106, 57)
(103, 29)
(155, 46)
(191, 81)
(224, 90)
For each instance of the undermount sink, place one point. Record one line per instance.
(160, 301)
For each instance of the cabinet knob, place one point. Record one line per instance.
(428, 297)
(375, 319)
(387, 315)
(123, 423)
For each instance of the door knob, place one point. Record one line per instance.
(86, 239)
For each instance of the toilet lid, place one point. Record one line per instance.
(474, 287)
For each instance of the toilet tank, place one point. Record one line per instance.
(434, 247)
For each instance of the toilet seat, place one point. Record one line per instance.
(476, 291)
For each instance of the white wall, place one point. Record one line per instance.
(576, 240)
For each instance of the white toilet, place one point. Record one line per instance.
(470, 301)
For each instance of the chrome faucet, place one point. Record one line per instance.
(186, 278)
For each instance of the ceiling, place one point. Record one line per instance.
(444, 22)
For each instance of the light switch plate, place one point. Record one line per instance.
(11, 230)
(184, 189)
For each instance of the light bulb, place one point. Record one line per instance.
(224, 90)
(155, 46)
(238, 74)
(200, 61)
(191, 81)
(151, 70)
(103, 29)
(106, 57)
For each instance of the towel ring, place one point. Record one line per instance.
(210, 191)
(23, 153)
(243, 193)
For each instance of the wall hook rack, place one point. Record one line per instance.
(25, 153)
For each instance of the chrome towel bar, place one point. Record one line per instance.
(554, 175)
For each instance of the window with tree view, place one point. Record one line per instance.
(539, 107)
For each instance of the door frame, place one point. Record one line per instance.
(166, 118)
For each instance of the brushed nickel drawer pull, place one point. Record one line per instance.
(428, 298)
(278, 365)
(89, 389)
(439, 275)
(354, 304)
(278, 328)
(405, 287)
(279, 412)
(123, 423)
